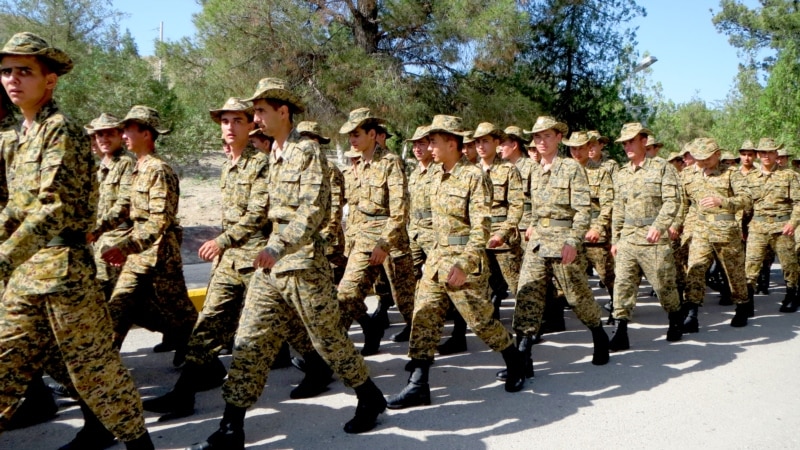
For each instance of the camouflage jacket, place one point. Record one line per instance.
(561, 207)
(612, 166)
(686, 218)
(420, 222)
(300, 204)
(718, 224)
(115, 183)
(526, 169)
(461, 206)
(776, 200)
(8, 144)
(51, 206)
(245, 227)
(352, 220)
(380, 199)
(332, 233)
(645, 196)
(155, 239)
(508, 200)
(601, 195)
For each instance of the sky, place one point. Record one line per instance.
(694, 61)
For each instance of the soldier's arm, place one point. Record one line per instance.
(120, 211)
(606, 192)
(255, 216)
(160, 214)
(398, 206)
(618, 212)
(480, 222)
(740, 200)
(683, 199)
(334, 224)
(516, 203)
(580, 202)
(794, 195)
(670, 200)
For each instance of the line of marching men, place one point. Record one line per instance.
(485, 213)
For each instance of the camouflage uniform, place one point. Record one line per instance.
(508, 201)
(8, 145)
(420, 223)
(333, 232)
(526, 168)
(561, 215)
(645, 196)
(601, 189)
(684, 222)
(151, 290)
(52, 306)
(460, 204)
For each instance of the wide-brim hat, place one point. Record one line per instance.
(651, 140)
(312, 129)
(728, 156)
(104, 122)
(442, 123)
(468, 138)
(29, 44)
(420, 133)
(747, 145)
(488, 129)
(631, 130)
(359, 117)
(578, 138)
(275, 88)
(783, 152)
(600, 138)
(517, 133)
(146, 116)
(545, 123)
(768, 145)
(352, 154)
(233, 104)
(702, 148)
(673, 156)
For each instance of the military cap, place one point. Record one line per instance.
(448, 124)
(257, 131)
(104, 122)
(747, 145)
(233, 104)
(631, 130)
(768, 145)
(545, 123)
(488, 129)
(703, 148)
(783, 152)
(517, 133)
(311, 129)
(578, 138)
(673, 156)
(359, 117)
(146, 116)
(29, 44)
(728, 156)
(600, 138)
(275, 88)
(651, 140)
(352, 153)
(419, 133)
(468, 138)
(686, 149)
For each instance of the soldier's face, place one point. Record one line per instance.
(747, 157)
(547, 142)
(441, 147)
(768, 159)
(509, 149)
(109, 140)
(783, 161)
(486, 146)
(362, 141)
(267, 117)
(236, 127)
(534, 154)
(635, 148)
(596, 151)
(580, 153)
(421, 151)
(688, 160)
(135, 138)
(25, 80)
(709, 163)
(677, 164)
(470, 151)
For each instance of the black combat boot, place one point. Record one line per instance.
(740, 318)
(179, 402)
(690, 323)
(457, 342)
(610, 307)
(182, 345)
(620, 339)
(404, 335)
(370, 405)
(59, 390)
(143, 442)
(525, 345)
(230, 435)
(38, 406)
(553, 315)
(283, 359)
(381, 315)
(600, 339)
(751, 301)
(675, 330)
(417, 392)
(373, 333)
(93, 435)
(318, 376)
(790, 302)
(762, 284)
(515, 368)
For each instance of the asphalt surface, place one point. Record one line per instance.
(723, 387)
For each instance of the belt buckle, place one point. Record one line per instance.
(545, 222)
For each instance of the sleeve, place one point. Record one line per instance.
(120, 211)
(682, 197)
(255, 216)
(159, 217)
(618, 212)
(740, 200)
(479, 211)
(580, 201)
(516, 205)
(603, 221)
(333, 227)
(670, 199)
(398, 206)
(794, 195)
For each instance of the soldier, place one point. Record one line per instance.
(469, 150)
(151, 290)
(717, 194)
(783, 158)
(260, 141)
(676, 160)
(598, 156)
(513, 149)
(52, 307)
(653, 147)
(747, 156)
(8, 143)
(298, 282)
(560, 221)
(728, 161)
(645, 206)
(381, 241)
(457, 272)
(776, 214)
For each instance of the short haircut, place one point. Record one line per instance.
(142, 127)
(372, 124)
(275, 104)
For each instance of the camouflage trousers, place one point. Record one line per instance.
(70, 334)
(657, 263)
(536, 273)
(602, 261)
(359, 278)
(504, 267)
(430, 306)
(275, 304)
(421, 247)
(157, 301)
(106, 273)
(701, 255)
(757, 245)
(680, 252)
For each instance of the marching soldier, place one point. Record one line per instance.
(596, 153)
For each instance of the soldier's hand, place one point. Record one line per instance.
(568, 254)
(495, 241)
(673, 233)
(710, 202)
(209, 250)
(114, 256)
(377, 257)
(614, 251)
(592, 236)
(788, 229)
(653, 235)
(264, 260)
(528, 233)
(456, 277)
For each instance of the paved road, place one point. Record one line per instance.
(720, 388)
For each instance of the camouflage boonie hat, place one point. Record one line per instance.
(468, 138)
(257, 132)
(29, 44)
(747, 145)
(419, 133)
(728, 156)
(600, 138)
(783, 152)
(146, 116)
(517, 133)
(233, 104)
(352, 153)
(673, 156)
(768, 145)
(488, 129)
(703, 148)
(545, 123)
(578, 138)
(631, 130)
(448, 124)
(684, 150)
(104, 122)
(651, 140)
(311, 129)
(359, 117)
(275, 88)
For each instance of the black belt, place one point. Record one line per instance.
(548, 222)
(68, 238)
(498, 219)
(772, 219)
(640, 222)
